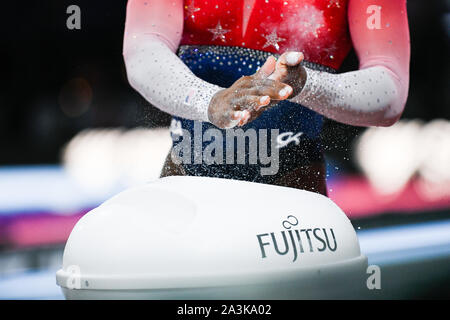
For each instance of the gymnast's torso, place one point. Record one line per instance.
(224, 40)
(199, 61)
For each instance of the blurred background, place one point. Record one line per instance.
(73, 133)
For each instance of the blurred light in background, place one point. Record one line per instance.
(390, 157)
(103, 159)
(434, 150)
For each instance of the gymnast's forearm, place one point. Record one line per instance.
(368, 97)
(157, 73)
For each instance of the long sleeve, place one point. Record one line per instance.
(377, 92)
(152, 34)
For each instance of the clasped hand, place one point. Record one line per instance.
(250, 96)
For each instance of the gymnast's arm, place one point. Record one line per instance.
(374, 95)
(152, 34)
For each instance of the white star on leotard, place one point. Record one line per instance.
(272, 40)
(219, 32)
(191, 9)
(333, 3)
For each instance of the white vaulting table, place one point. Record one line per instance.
(209, 238)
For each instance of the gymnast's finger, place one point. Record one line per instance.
(286, 60)
(274, 89)
(251, 102)
(267, 69)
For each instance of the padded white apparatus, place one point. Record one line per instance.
(209, 238)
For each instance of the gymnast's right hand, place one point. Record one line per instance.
(234, 105)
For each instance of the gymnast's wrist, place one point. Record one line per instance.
(300, 85)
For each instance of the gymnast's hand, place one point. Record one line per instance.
(288, 69)
(243, 101)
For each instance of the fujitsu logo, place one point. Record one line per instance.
(296, 241)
